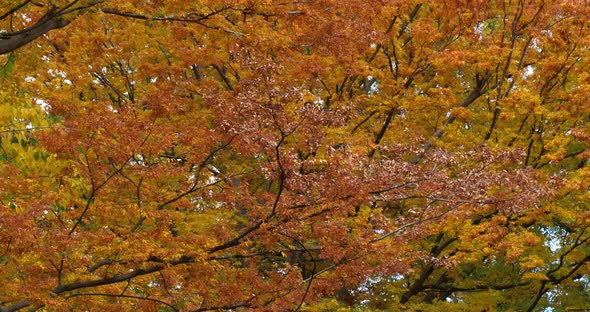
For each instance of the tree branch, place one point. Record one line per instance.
(16, 306)
(9, 43)
(14, 9)
(123, 296)
(121, 277)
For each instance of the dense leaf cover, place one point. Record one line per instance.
(294, 155)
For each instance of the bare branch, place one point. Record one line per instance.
(14, 9)
(123, 296)
(16, 306)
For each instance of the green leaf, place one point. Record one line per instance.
(7, 67)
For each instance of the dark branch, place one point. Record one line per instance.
(9, 43)
(121, 277)
(16, 306)
(123, 296)
(187, 18)
(14, 9)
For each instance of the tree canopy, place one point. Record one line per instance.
(294, 155)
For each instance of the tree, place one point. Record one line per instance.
(266, 155)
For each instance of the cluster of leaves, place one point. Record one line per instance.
(168, 155)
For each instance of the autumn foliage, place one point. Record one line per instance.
(294, 155)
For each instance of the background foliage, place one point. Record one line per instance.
(305, 155)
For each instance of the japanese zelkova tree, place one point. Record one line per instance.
(294, 155)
